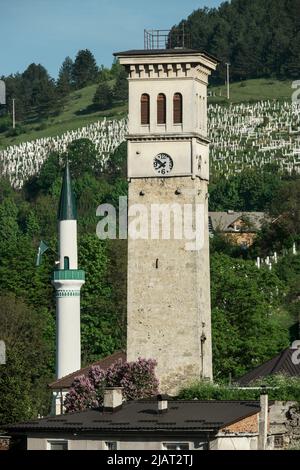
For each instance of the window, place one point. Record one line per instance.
(66, 262)
(145, 109)
(177, 108)
(161, 109)
(57, 445)
(111, 445)
(176, 446)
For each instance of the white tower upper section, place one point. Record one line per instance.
(168, 101)
(168, 73)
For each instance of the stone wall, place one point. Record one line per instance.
(169, 289)
(4, 443)
(285, 424)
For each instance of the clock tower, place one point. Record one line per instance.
(169, 315)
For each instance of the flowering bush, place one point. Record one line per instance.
(137, 379)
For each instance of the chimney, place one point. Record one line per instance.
(162, 402)
(113, 398)
(263, 420)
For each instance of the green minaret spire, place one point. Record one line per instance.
(67, 205)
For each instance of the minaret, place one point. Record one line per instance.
(169, 313)
(67, 281)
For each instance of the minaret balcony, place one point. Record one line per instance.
(68, 274)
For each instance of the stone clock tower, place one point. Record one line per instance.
(169, 315)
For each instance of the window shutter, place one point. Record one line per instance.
(177, 108)
(145, 109)
(161, 109)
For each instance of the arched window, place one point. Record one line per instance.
(161, 109)
(145, 109)
(66, 262)
(177, 108)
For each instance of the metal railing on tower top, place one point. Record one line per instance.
(167, 39)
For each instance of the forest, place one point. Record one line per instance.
(258, 38)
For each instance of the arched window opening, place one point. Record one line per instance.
(161, 109)
(177, 108)
(145, 109)
(66, 262)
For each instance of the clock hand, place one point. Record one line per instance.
(159, 163)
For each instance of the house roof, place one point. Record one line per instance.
(66, 382)
(280, 364)
(224, 221)
(142, 415)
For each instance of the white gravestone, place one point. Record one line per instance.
(2, 352)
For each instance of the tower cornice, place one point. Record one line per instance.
(167, 137)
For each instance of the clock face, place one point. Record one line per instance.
(163, 164)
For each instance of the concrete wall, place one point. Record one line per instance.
(98, 443)
(234, 442)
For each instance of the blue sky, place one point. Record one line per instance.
(46, 31)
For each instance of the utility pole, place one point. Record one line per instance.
(13, 113)
(228, 81)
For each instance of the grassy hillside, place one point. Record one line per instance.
(77, 111)
(252, 90)
(76, 114)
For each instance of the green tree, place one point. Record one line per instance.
(99, 321)
(85, 69)
(40, 93)
(120, 90)
(248, 320)
(103, 98)
(24, 376)
(83, 157)
(65, 77)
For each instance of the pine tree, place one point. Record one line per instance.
(65, 77)
(39, 92)
(85, 69)
(103, 97)
(120, 91)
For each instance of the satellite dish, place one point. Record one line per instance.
(2, 352)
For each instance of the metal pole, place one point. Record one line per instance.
(228, 81)
(13, 113)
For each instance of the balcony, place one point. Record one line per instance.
(68, 274)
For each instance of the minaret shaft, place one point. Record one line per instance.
(68, 244)
(67, 281)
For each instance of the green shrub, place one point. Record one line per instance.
(279, 387)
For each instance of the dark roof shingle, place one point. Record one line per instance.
(280, 364)
(142, 415)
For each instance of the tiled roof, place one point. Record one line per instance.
(66, 382)
(142, 415)
(280, 364)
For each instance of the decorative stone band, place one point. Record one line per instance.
(66, 287)
(67, 293)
